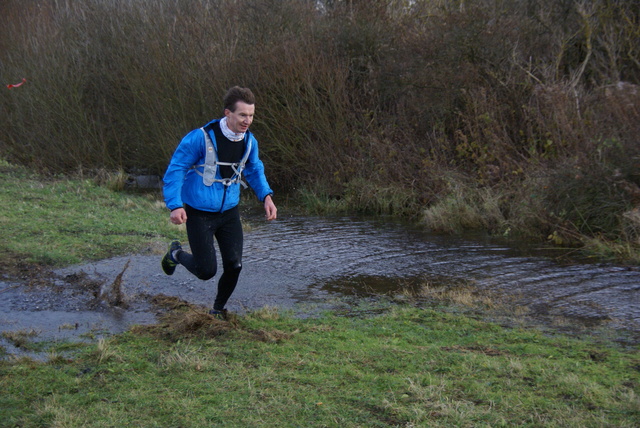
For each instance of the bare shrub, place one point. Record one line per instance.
(371, 102)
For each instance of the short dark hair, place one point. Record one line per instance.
(236, 94)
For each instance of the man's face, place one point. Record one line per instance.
(239, 120)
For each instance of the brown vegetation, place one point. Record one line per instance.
(523, 115)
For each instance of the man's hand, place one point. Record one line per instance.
(270, 208)
(178, 216)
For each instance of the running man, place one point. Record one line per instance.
(202, 189)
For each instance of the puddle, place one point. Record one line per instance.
(300, 260)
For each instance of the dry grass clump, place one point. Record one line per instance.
(105, 351)
(187, 324)
(184, 358)
(182, 319)
(195, 323)
(272, 336)
(452, 291)
(20, 338)
(460, 294)
(185, 320)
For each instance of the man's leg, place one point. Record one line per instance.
(201, 227)
(230, 240)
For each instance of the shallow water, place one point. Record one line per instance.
(297, 260)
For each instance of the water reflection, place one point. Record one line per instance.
(315, 256)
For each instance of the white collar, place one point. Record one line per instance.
(233, 136)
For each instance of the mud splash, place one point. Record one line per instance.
(302, 262)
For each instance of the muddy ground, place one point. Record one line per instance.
(97, 299)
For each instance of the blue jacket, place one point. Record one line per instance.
(182, 185)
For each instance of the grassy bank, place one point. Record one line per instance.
(405, 367)
(57, 221)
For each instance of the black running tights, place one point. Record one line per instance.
(202, 227)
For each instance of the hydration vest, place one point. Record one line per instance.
(210, 166)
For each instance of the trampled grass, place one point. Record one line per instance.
(408, 367)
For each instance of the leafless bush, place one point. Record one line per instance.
(384, 92)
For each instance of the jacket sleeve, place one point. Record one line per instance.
(187, 154)
(254, 173)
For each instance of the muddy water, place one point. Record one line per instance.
(299, 260)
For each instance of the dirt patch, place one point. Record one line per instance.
(14, 268)
(192, 323)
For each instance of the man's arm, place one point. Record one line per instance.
(185, 156)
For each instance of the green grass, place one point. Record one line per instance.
(56, 221)
(406, 367)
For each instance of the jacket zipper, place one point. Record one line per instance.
(224, 196)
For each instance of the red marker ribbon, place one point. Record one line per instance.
(17, 84)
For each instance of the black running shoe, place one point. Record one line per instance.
(168, 262)
(219, 315)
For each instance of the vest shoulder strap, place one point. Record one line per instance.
(210, 166)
